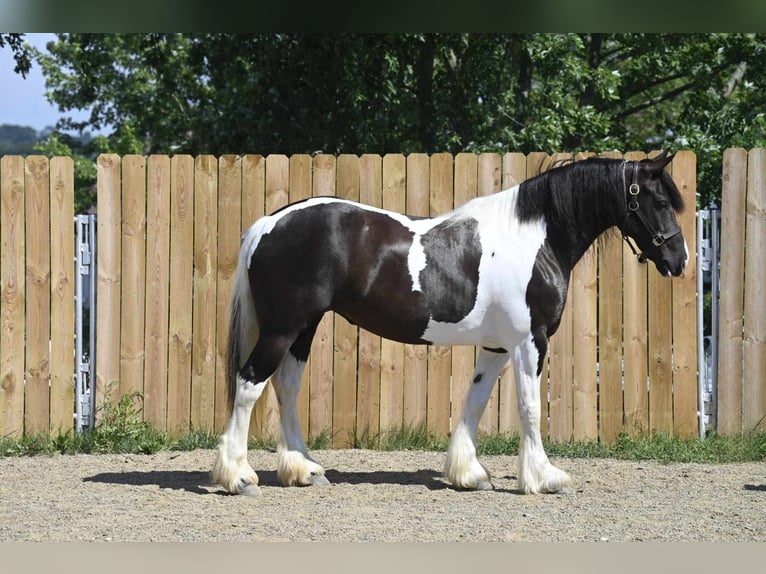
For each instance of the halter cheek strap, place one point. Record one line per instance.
(632, 207)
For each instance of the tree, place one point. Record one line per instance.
(21, 52)
(379, 93)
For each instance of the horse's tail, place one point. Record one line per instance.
(243, 320)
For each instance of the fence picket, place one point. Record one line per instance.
(157, 290)
(181, 294)
(754, 326)
(12, 331)
(229, 227)
(133, 286)
(204, 317)
(62, 295)
(38, 321)
(684, 306)
(109, 278)
(733, 195)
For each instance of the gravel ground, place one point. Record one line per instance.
(374, 496)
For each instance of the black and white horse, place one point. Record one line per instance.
(492, 273)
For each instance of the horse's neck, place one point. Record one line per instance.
(571, 238)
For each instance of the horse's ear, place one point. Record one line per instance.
(658, 163)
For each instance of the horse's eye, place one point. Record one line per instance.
(660, 204)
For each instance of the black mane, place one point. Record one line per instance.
(579, 198)
(583, 198)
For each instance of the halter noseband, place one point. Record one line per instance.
(632, 207)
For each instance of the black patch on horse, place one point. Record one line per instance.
(451, 277)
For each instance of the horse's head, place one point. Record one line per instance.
(652, 200)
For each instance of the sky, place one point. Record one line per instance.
(22, 101)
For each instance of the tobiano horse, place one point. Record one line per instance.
(493, 273)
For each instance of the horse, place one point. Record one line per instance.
(493, 273)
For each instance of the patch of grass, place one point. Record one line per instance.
(196, 439)
(121, 429)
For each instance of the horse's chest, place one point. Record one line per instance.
(499, 311)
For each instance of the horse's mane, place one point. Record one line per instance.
(576, 196)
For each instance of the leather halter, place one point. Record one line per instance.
(632, 208)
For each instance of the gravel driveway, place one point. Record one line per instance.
(374, 496)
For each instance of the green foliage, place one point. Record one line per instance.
(121, 427)
(22, 55)
(404, 93)
(121, 430)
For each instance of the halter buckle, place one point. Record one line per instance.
(658, 240)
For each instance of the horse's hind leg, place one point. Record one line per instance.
(462, 468)
(295, 467)
(231, 469)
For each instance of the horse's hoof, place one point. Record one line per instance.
(318, 480)
(484, 485)
(564, 490)
(251, 490)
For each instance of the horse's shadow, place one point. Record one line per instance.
(189, 481)
(198, 482)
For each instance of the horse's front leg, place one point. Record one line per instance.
(536, 473)
(462, 468)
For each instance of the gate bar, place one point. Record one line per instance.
(85, 254)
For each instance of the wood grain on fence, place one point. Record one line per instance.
(133, 259)
(754, 325)
(13, 296)
(684, 306)
(109, 276)
(204, 316)
(38, 241)
(63, 363)
(157, 290)
(181, 292)
(169, 235)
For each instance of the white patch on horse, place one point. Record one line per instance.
(416, 258)
(500, 316)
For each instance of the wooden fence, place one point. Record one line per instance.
(168, 240)
(742, 331)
